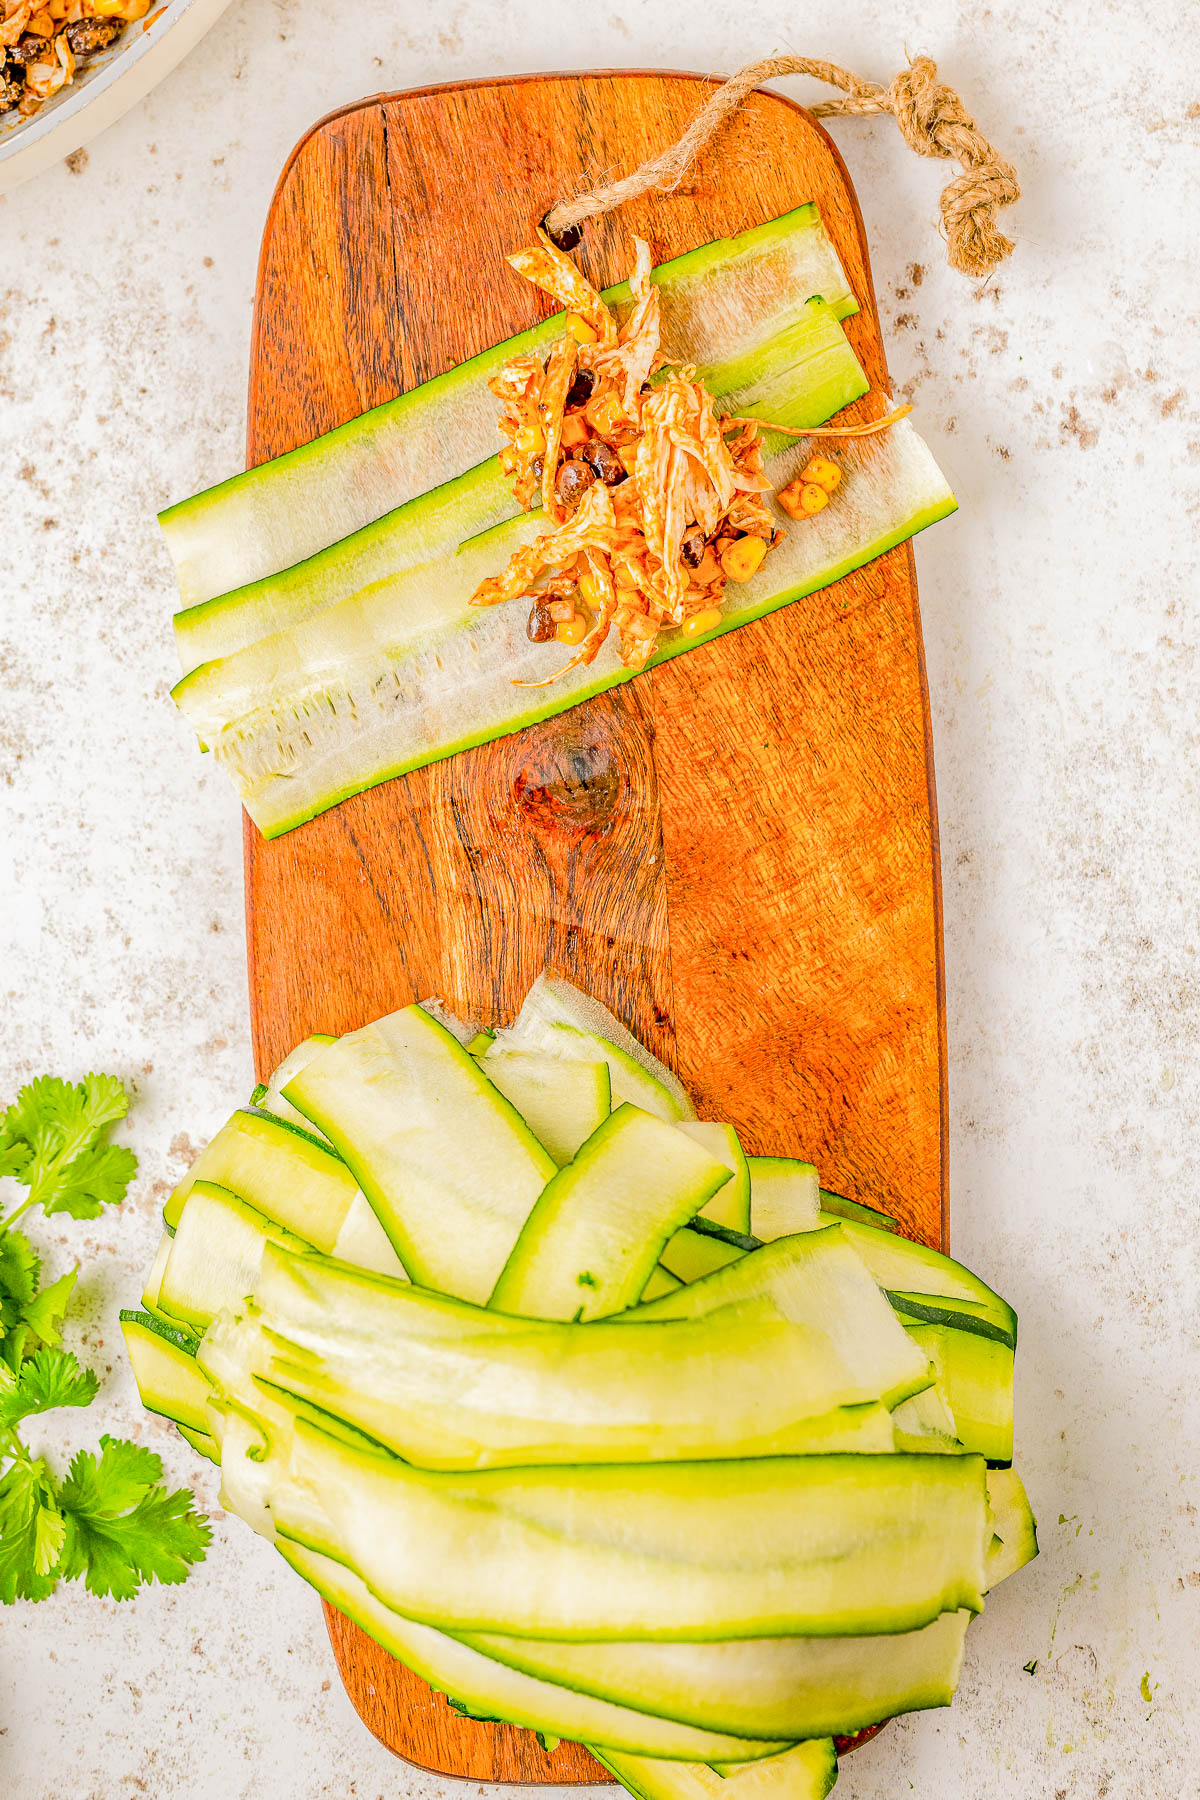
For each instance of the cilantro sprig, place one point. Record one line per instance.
(110, 1519)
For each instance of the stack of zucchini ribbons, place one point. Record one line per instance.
(602, 1426)
(327, 638)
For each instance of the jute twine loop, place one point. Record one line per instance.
(931, 116)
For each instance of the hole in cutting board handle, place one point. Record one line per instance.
(567, 239)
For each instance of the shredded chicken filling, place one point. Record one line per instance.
(653, 502)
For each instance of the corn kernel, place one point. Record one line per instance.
(530, 439)
(579, 329)
(743, 557)
(700, 622)
(592, 589)
(572, 630)
(801, 499)
(628, 456)
(574, 431)
(604, 414)
(42, 25)
(820, 472)
(628, 596)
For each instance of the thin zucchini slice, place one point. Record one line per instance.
(450, 1386)
(448, 1165)
(691, 1255)
(558, 1020)
(164, 1366)
(841, 1545)
(409, 671)
(1015, 1541)
(813, 1278)
(268, 1095)
(730, 1205)
(722, 302)
(925, 1423)
(281, 1172)
(294, 1179)
(216, 1254)
(913, 1270)
(840, 1208)
(802, 376)
(805, 1772)
(153, 1285)
(493, 1690)
(201, 1443)
(784, 1197)
(562, 1102)
(591, 1242)
(798, 1687)
(975, 1379)
(661, 1282)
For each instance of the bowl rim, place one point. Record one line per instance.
(27, 148)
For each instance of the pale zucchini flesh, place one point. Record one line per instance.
(841, 1545)
(718, 302)
(499, 1691)
(407, 674)
(594, 1235)
(281, 1172)
(784, 1197)
(730, 1205)
(807, 1771)
(216, 1254)
(448, 1385)
(813, 1278)
(975, 1379)
(1014, 1542)
(558, 1019)
(908, 1268)
(268, 1095)
(798, 379)
(153, 1287)
(773, 1687)
(448, 1165)
(562, 1102)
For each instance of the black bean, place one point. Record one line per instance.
(12, 86)
(692, 549)
(86, 36)
(572, 481)
(31, 49)
(603, 460)
(582, 388)
(536, 467)
(541, 627)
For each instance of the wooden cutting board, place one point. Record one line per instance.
(736, 853)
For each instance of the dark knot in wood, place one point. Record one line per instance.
(568, 779)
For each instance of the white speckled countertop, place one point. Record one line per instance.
(1062, 634)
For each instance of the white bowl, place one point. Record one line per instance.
(105, 86)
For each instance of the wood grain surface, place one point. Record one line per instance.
(738, 852)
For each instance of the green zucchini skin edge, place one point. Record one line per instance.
(553, 704)
(534, 339)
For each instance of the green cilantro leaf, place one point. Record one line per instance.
(121, 1528)
(95, 1179)
(20, 1267)
(44, 1314)
(52, 1140)
(26, 1496)
(50, 1379)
